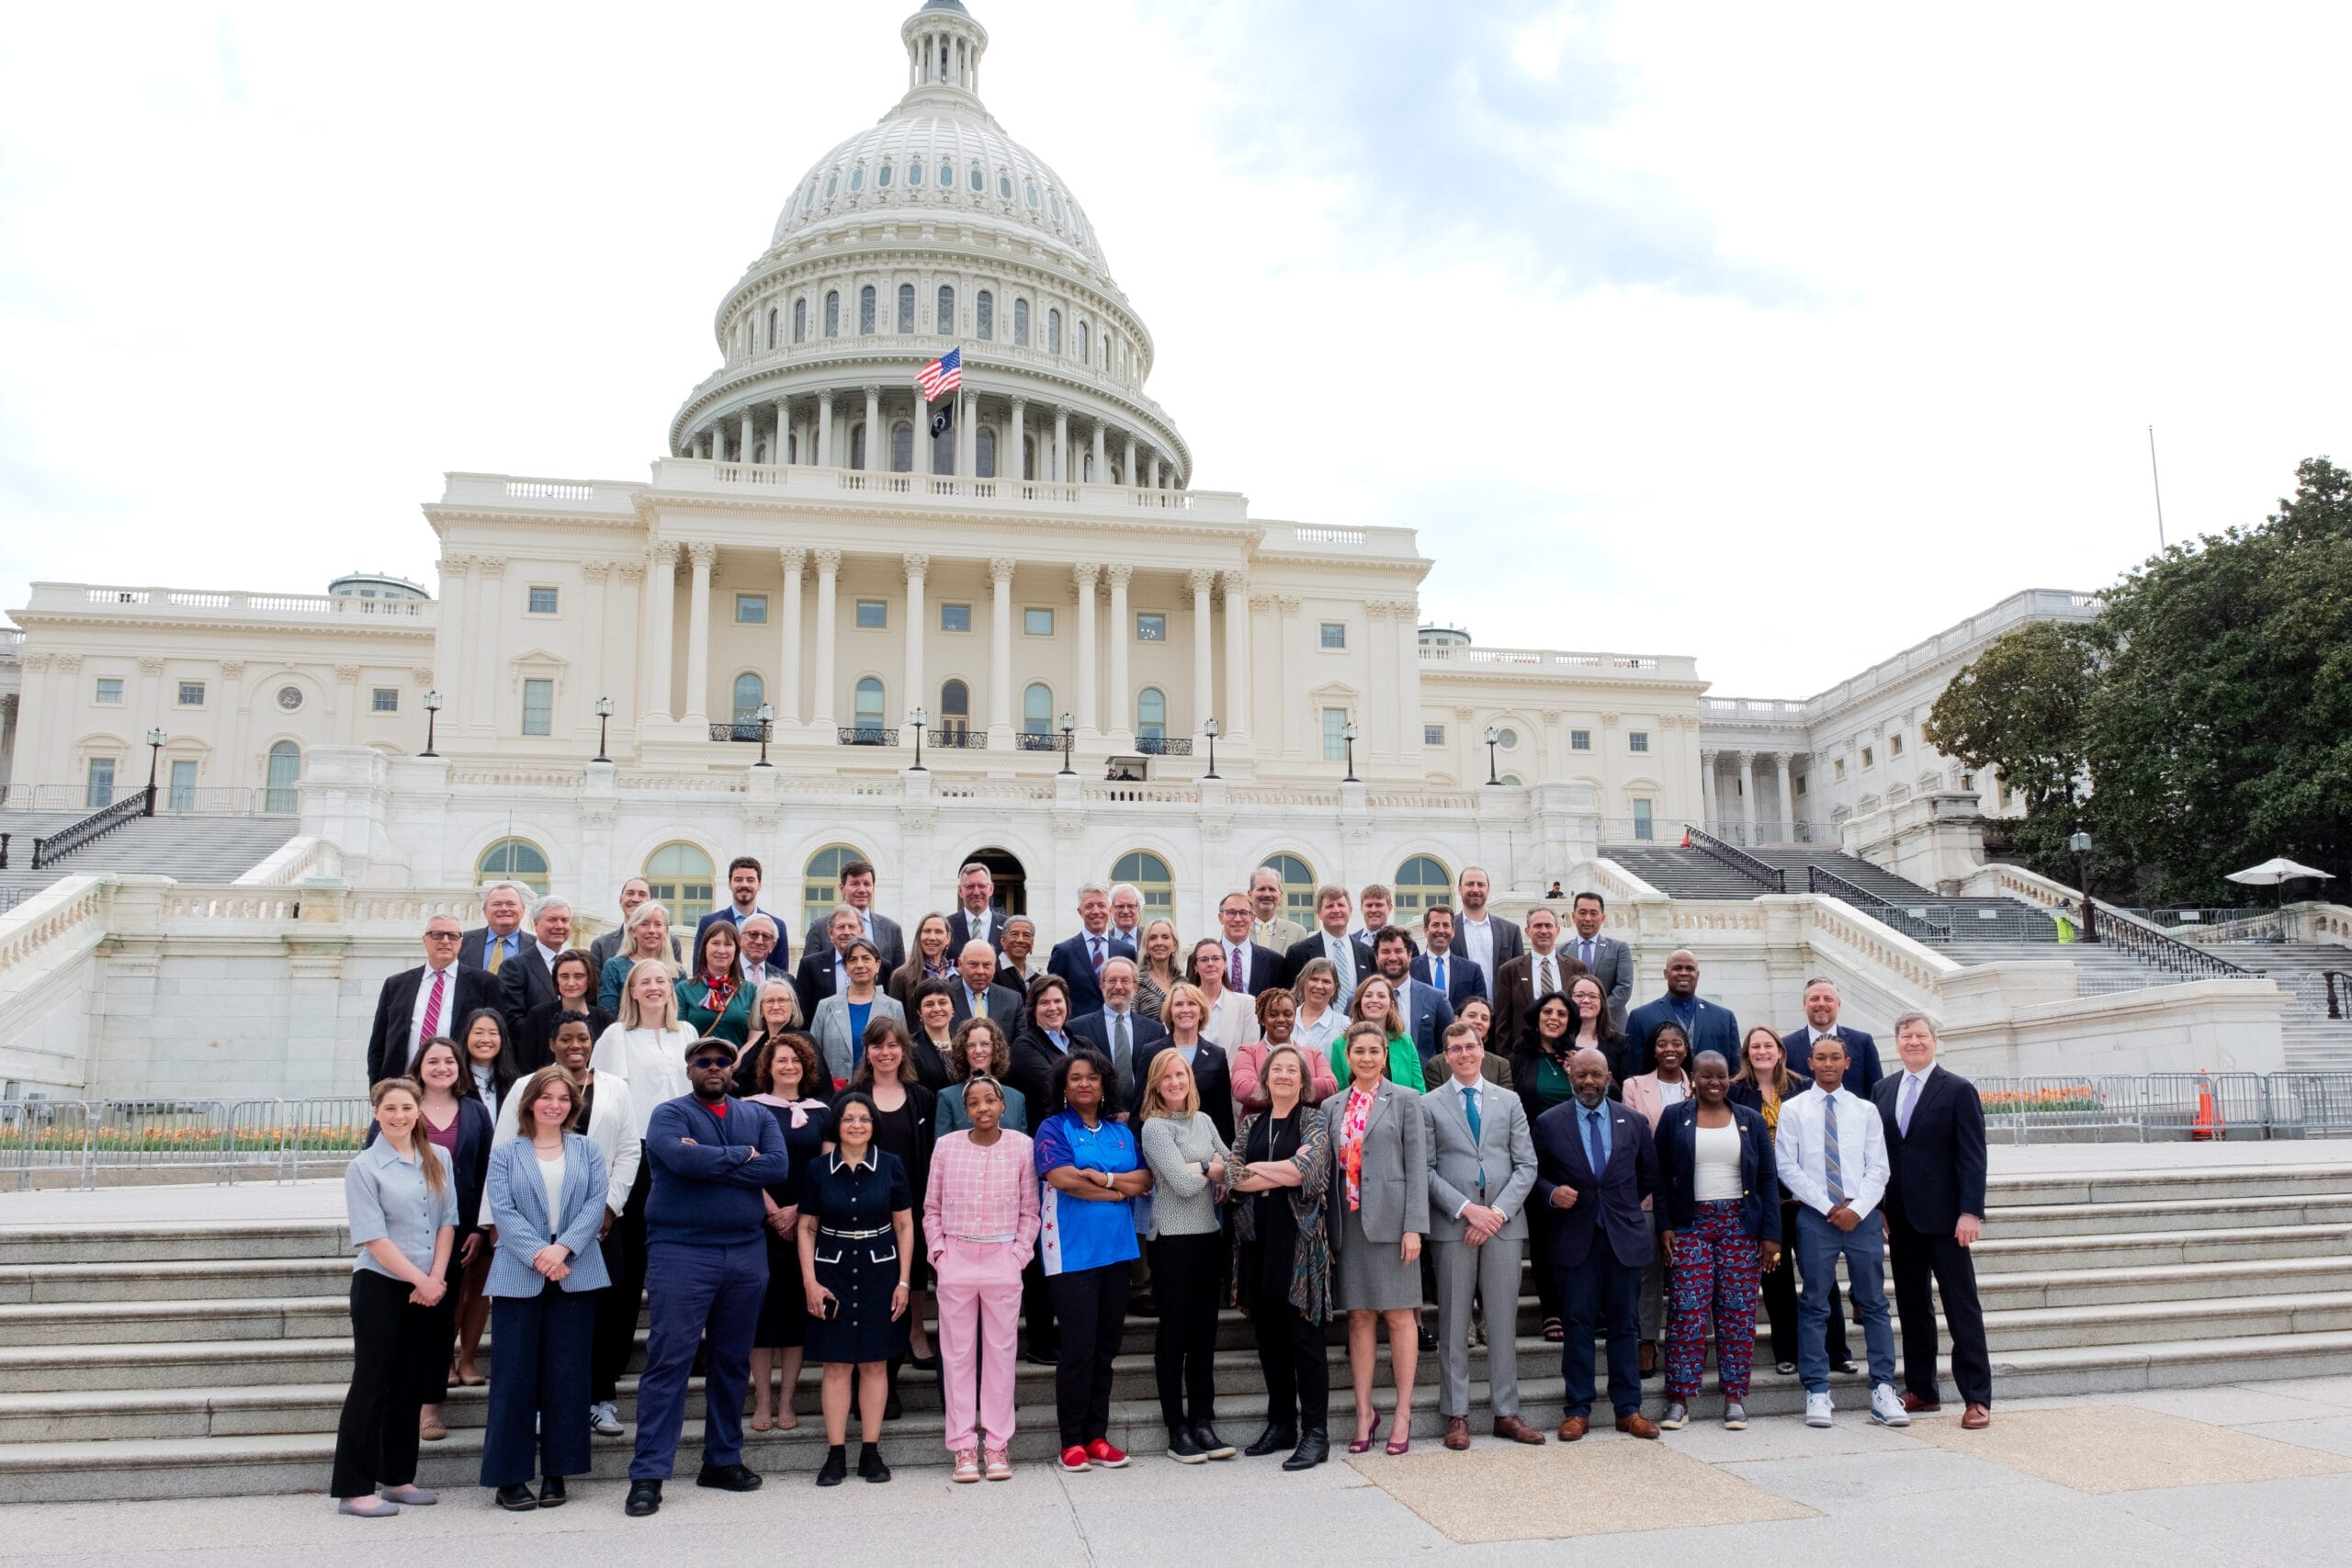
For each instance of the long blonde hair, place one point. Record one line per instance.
(436, 1177)
(651, 910)
(1167, 1061)
(632, 1016)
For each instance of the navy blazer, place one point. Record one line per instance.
(1714, 1028)
(959, 930)
(1074, 963)
(1759, 1178)
(1143, 1034)
(1427, 1016)
(1212, 1078)
(471, 1167)
(1612, 1204)
(1862, 1069)
(1464, 978)
(818, 977)
(1303, 954)
(1937, 1174)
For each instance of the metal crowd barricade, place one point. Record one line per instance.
(155, 1134)
(2311, 1105)
(2064, 1108)
(40, 1136)
(323, 1131)
(2201, 1106)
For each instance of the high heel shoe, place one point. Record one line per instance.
(1395, 1445)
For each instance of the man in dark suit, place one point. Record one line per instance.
(856, 883)
(819, 974)
(1608, 961)
(743, 902)
(500, 936)
(417, 1004)
(1440, 967)
(1425, 1012)
(1487, 939)
(1538, 973)
(1377, 906)
(975, 978)
(1935, 1212)
(1080, 960)
(1596, 1165)
(1249, 967)
(1119, 1031)
(1821, 1005)
(1014, 966)
(974, 919)
(528, 979)
(1350, 957)
(1709, 1027)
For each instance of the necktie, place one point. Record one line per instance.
(1097, 942)
(1239, 981)
(1829, 1154)
(1345, 961)
(1593, 1151)
(1437, 976)
(1126, 1040)
(1477, 1129)
(1586, 956)
(1910, 1099)
(1550, 982)
(497, 952)
(433, 999)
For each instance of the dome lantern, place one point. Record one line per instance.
(943, 48)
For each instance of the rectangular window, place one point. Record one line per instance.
(1151, 627)
(1644, 829)
(1798, 782)
(538, 707)
(1037, 622)
(101, 787)
(873, 614)
(542, 601)
(182, 795)
(1580, 740)
(1335, 734)
(751, 609)
(1637, 740)
(1334, 634)
(109, 691)
(1868, 761)
(1432, 734)
(1894, 745)
(955, 617)
(191, 694)
(1837, 766)
(385, 699)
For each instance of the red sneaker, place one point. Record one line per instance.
(1074, 1457)
(1100, 1451)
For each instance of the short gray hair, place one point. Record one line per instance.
(761, 919)
(1127, 887)
(548, 905)
(1120, 958)
(1920, 1019)
(1086, 887)
(1013, 920)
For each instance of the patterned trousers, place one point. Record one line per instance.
(1715, 1275)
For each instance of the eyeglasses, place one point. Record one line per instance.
(701, 1063)
(443, 936)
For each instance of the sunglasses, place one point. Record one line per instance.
(700, 1063)
(443, 936)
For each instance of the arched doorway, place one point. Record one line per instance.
(1011, 881)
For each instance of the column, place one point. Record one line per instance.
(449, 642)
(877, 445)
(1748, 796)
(1089, 701)
(488, 604)
(782, 453)
(1203, 647)
(1121, 703)
(749, 438)
(704, 557)
(1000, 651)
(1134, 479)
(1707, 791)
(923, 463)
(1061, 447)
(917, 566)
(1152, 470)
(1101, 463)
(786, 698)
(825, 428)
(1788, 802)
(967, 433)
(1008, 463)
(1235, 721)
(820, 707)
(661, 607)
(1408, 680)
(598, 573)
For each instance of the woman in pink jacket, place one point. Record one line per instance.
(980, 1214)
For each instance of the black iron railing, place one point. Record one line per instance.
(2166, 953)
(868, 735)
(1163, 745)
(1771, 878)
(960, 739)
(2339, 992)
(48, 850)
(1029, 741)
(746, 730)
(1909, 923)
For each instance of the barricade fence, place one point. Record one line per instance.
(2168, 1107)
(78, 1143)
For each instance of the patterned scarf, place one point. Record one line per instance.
(1352, 1128)
(722, 991)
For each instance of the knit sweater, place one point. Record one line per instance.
(1183, 1201)
(704, 1193)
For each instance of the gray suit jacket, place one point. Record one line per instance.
(1395, 1185)
(830, 1030)
(1506, 1152)
(1613, 966)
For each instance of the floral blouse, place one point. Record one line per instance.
(1351, 1127)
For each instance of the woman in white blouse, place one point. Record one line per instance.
(1233, 1015)
(1319, 1020)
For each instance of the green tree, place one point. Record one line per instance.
(2020, 707)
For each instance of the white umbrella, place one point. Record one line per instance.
(2272, 872)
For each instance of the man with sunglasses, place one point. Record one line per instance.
(417, 1004)
(706, 1271)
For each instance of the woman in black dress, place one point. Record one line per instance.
(784, 1076)
(856, 1245)
(1283, 1262)
(906, 1124)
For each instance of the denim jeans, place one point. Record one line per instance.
(1819, 1245)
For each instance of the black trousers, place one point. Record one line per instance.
(538, 1386)
(1539, 1257)
(1918, 1258)
(1780, 1298)
(618, 1304)
(1290, 1354)
(1092, 1307)
(1188, 1277)
(1037, 1325)
(398, 1356)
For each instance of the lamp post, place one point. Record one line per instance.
(1209, 729)
(604, 721)
(432, 712)
(766, 716)
(1069, 739)
(155, 738)
(1349, 733)
(2081, 845)
(918, 718)
(1494, 739)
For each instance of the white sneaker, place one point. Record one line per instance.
(1886, 1407)
(604, 1420)
(1816, 1410)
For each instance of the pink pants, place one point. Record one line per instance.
(978, 1290)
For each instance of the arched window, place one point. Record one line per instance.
(944, 316)
(820, 883)
(800, 320)
(1088, 467)
(984, 317)
(914, 171)
(1423, 884)
(857, 446)
(1298, 887)
(1053, 332)
(751, 692)
(984, 453)
(1037, 709)
(955, 708)
(906, 308)
(285, 773)
(832, 312)
(1020, 323)
(1151, 714)
(1149, 873)
(1082, 342)
(903, 448)
(882, 178)
(514, 860)
(979, 181)
(771, 326)
(870, 704)
(681, 878)
(865, 309)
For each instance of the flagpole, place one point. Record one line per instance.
(2157, 480)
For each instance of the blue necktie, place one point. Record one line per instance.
(1593, 1150)
(1438, 972)
(1477, 1129)
(1829, 1154)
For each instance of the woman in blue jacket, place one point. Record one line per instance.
(547, 1192)
(1721, 1223)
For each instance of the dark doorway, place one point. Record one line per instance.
(1012, 882)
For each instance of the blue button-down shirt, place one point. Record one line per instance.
(1607, 1135)
(386, 1199)
(511, 944)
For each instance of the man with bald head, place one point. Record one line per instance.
(1707, 1026)
(1596, 1166)
(976, 990)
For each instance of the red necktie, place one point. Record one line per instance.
(1097, 953)
(1239, 983)
(432, 1025)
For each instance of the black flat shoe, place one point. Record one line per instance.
(834, 1470)
(644, 1497)
(1211, 1444)
(1314, 1448)
(1272, 1440)
(1429, 1343)
(892, 1408)
(517, 1498)
(552, 1492)
(869, 1464)
(923, 1364)
(729, 1477)
(1183, 1448)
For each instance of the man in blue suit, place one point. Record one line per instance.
(1120, 1032)
(1596, 1165)
(1443, 969)
(1079, 961)
(1709, 1027)
(1426, 1012)
(1821, 1005)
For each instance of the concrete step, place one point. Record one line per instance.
(1997, 1255)
(2320, 1176)
(2230, 1281)
(228, 1240)
(204, 1279)
(2026, 1220)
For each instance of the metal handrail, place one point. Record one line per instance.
(1028, 740)
(47, 851)
(746, 730)
(1163, 745)
(1821, 880)
(868, 735)
(960, 739)
(1771, 878)
(2145, 942)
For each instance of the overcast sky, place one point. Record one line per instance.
(1781, 335)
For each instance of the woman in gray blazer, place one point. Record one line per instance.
(839, 1026)
(1380, 1211)
(546, 1189)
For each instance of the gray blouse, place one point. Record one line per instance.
(386, 1199)
(1183, 1201)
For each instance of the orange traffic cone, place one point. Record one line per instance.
(2208, 1125)
(1685, 838)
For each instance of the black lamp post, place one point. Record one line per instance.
(1349, 733)
(432, 713)
(1069, 740)
(1494, 739)
(2081, 845)
(155, 738)
(604, 721)
(1210, 729)
(766, 718)
(918, 718)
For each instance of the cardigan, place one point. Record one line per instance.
(1183, 1201)
(1310, 1265)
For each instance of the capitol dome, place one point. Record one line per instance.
(934, 230)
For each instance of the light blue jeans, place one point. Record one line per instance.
(1819, 1245)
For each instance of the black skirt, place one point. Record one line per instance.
(783, 1310)
(863, 1275)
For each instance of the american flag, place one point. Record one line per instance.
(944, 373)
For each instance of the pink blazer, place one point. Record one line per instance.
(1249, 1061)
(1642, 1094)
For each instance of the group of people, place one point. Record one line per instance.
(905, 1152)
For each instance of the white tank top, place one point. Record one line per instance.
(1717, 1175)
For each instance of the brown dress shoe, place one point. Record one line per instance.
(1517, 1430)
(1457, 1432)
(1572, 1428)
(1976, 1417)
(1918, 1406)
(1637, 1426)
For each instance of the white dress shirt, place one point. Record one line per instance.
(1861, 1150)
(1544, 971)
(1478, 944)
(444, 1024)
(1907, 1092)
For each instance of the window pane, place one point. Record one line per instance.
(285, 773)
(386, 699)
(865, 309)
(1149, 873)
(984, 309)
(799, 320)
(943, 316)
(1334, 634)
(1335, 734)
(954, 701)
(750, 692)
(1151, 713)
(1432, 734)
(1298, 887)
(1641, 825)
(542, 601)
(101, 787)
(1152, 628)
(1020, 323)
(984, 453)
(1580, 740)
(538, 707)
(955, 617)
(873, 614)
(183, 796)
(903, 448)
(1638, 740)
(1423, 884)
(870, 704)
(834, 315)
(109, 690)
(906, 307)
(1037, 709)
(515, 860)
(751, 609)
(1037, 622)
(191, 694)
(681, 878)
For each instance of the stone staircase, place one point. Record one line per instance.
(145, 1360)
(190, 848)
(1683, 874)
(2314, 1042)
